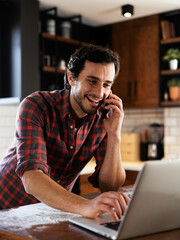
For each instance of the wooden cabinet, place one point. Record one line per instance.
(85, 186)
(131, 176)
(137, 42)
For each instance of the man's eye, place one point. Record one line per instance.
(107, 85)
(92, 81)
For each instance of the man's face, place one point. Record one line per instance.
(92, 86)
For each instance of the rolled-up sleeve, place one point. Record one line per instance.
(30, 143)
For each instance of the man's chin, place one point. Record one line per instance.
(89, 109)
(90, 112)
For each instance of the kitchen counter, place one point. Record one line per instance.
(40, 222)
(133, 166)
(130, 166)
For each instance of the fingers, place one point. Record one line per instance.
(127, 199)
(114, 102)
(104, 208)
(119, 202)
(114, 203)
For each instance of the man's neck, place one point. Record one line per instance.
(78, 120)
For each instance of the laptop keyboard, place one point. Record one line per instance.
(112, 225)
(115, 225)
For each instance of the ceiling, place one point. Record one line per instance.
(102, 12)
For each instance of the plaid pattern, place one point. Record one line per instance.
(45, 140)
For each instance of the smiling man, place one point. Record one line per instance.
(59, 132)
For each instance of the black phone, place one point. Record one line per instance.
(105, 111)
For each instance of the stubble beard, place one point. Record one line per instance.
(80, 104)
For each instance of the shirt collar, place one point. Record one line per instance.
(65, 103)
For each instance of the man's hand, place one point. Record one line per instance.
(113, 122)
(114, 203)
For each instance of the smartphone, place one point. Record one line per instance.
(105, 111)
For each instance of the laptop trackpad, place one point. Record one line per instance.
(112, 225)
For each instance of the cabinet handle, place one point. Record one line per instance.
(129, 88)
(135, 88)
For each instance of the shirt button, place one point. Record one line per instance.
(58, 181)
(71, 126)
(71, 147)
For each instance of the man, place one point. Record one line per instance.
(59, 132)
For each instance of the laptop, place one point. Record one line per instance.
(154, 206)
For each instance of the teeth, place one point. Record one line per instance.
(94, 100)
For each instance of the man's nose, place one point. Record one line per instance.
(100, 91)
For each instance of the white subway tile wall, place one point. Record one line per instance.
(138, 119)
(135, 120)
(172, 132)
(7, 126)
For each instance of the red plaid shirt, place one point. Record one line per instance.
(45, 139)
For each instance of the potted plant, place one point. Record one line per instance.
(173, 56)
(174, 88)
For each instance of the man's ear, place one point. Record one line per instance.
(70, 78)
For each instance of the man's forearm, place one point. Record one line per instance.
(112, 173)
(48, 191)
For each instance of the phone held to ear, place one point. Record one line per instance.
(105, 111)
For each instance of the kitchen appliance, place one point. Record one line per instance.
(155, 149)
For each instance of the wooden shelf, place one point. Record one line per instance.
(170, 72)
(170, 40)
(170, 103)
(53, 70)
(62, 39)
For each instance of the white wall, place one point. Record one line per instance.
(135, 120)
(172, 132)
(7, 126)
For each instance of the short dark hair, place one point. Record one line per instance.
(91, 53)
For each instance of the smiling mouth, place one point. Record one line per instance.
(94, 100)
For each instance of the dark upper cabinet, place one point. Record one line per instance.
(19, 42)
(137, 42)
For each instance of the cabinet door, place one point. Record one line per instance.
(123, 84)
(137, 42)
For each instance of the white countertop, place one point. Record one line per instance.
(133, 166)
